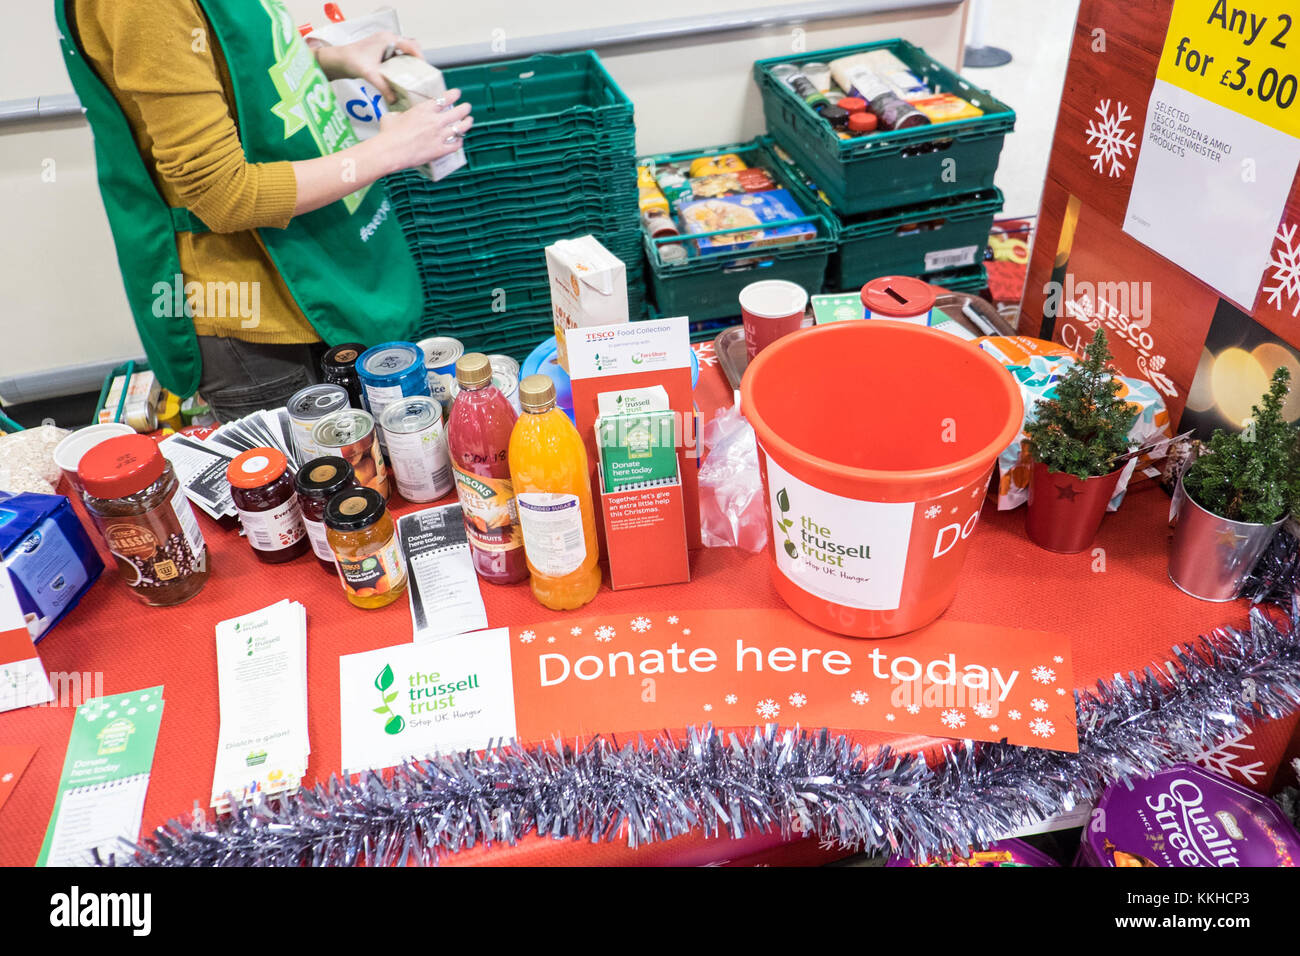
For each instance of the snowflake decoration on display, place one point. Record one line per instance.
(1044, 675)
(1225, 762)
(1111, 138)
(860, 697)
(708, 706)
(1038, 704)
(575, 631)
(605, 633)
(730, 698)
(707, 354)
(1059, 659)
(1013, 715)
(983, 710)
(686, 631)
(641, 624)
(889, 717)
(1060, 691)
(1041, 727)
(933, 511)
(913, 708)
(797, 699)
(993, 728)
(1285, 263)
(953, 718)
(672, 618)
(767, 708)
(527, 637)
(550, 640)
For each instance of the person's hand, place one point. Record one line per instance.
(425, 132)
(361, 59)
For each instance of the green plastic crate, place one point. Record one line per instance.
(540, 107)
(708, 286)
(893, 167)
(974, 279)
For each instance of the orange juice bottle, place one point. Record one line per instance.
(548, 466)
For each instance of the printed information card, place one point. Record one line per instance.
(619, 674)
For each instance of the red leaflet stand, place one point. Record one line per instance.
(638, 355)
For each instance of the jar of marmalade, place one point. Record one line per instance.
(262, 489)
(318, 481)
(364, 541)
(141, 510)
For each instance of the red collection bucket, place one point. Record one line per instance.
(876, 442)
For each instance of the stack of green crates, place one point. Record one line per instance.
(916, 201)
(551, 156)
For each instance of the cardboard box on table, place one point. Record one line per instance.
(644, 549)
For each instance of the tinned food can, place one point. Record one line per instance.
(391, 371)
(417, 448)
(308, 406)
(351, 435)
(440, 355)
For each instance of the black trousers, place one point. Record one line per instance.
(241, 377)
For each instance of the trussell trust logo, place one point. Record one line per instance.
(427, 694)
(816, 543)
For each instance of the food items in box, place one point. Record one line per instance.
(748, 210)
(752, 180)
(1008, 853)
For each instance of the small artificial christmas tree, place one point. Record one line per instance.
(1251, 475)
(1084, 426)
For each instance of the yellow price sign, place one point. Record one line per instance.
(1242, 55)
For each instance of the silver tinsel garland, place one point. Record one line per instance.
(793, 781)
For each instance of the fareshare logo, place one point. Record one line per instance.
(75, 909)
(395, 723)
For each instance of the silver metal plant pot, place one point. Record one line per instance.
(1210, 556)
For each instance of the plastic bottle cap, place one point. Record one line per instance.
(537, 393)
(354, 510)
(256, 468)
(863, 122)
(473, 370)
(835, 115)
(898, 297)
(854, 104)
(121, 466)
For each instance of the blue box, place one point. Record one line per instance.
(48, 555)
(752, 211)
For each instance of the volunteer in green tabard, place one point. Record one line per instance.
(225, 160)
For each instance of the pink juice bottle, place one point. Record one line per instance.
(478, 437)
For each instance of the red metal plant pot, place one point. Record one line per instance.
(1064, 511)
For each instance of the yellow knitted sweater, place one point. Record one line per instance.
(159, 60)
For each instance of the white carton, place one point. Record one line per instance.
(588, 288)
(416, 81)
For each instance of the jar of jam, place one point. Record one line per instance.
(141, 510)
(318, 481)
(263, 491)
(364, 541)
(338, 366)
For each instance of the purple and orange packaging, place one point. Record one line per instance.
(1011, 853)
(1187, 816)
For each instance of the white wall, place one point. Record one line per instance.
(62, 302)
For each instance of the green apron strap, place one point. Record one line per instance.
(185, 221)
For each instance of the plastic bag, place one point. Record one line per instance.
(733, 513)
(27, 460)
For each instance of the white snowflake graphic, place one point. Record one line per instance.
(1043, 674)
(1285, 263)
(641, 624)
(550, 640)
(706, 353)
(1111, 138)
(797, 699)
(672, 618)
(1230, 759)
(861, 697)
(1013, 715)
(983, 710)
(953, 718)
(1059, 659)
(767, 708)
(686, 631)
(1041, 727)
(933, 511)
(913, 708)
(1060, 691)
(6, 778)
(527, 637)
(730, 698)
(1038, 704)
(706, 706)
(889, 717)
(605, 634)
(993, 728)
(575, 631)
